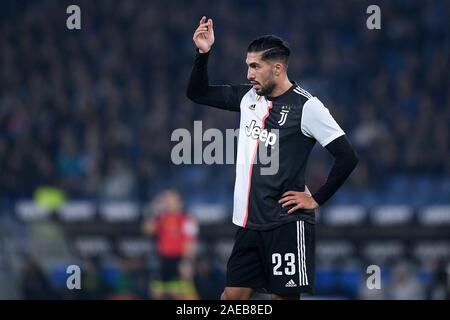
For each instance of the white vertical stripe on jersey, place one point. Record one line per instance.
(246, 151)
(250, 182)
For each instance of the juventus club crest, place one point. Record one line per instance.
(284, 113)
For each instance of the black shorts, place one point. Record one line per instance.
(169, 269)
(279, 261)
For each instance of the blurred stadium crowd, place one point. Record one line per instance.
(91, 111)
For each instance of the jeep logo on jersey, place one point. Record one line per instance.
(284, 114)
(256, 132)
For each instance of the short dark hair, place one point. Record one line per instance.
(273, 47)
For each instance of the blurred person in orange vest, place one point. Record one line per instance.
(176, 234)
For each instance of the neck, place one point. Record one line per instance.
(281, 88)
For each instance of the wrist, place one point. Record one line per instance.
(314, 202)
(202, 51)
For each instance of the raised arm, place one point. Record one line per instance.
(199, 90)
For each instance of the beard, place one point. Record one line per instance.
(267, 89)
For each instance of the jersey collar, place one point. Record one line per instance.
(287, 92)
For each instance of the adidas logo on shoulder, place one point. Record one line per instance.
(290, 284)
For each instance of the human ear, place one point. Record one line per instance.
(278, 68)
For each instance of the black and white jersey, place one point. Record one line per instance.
(287, 127)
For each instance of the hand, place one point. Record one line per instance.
(301, 200)
(204, 35)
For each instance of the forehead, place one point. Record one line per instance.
(254, 57)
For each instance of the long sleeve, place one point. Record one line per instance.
(199, 90)
(318, 123)
(344, 163)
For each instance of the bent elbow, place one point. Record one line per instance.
(190, 94)
(354, 160)
(193, 95)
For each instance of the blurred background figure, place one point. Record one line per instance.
(439, 285)
(176, 234)
(405, 285)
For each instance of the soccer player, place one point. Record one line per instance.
(176, 235)
(275, 242)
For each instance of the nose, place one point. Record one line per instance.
(250, 75)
